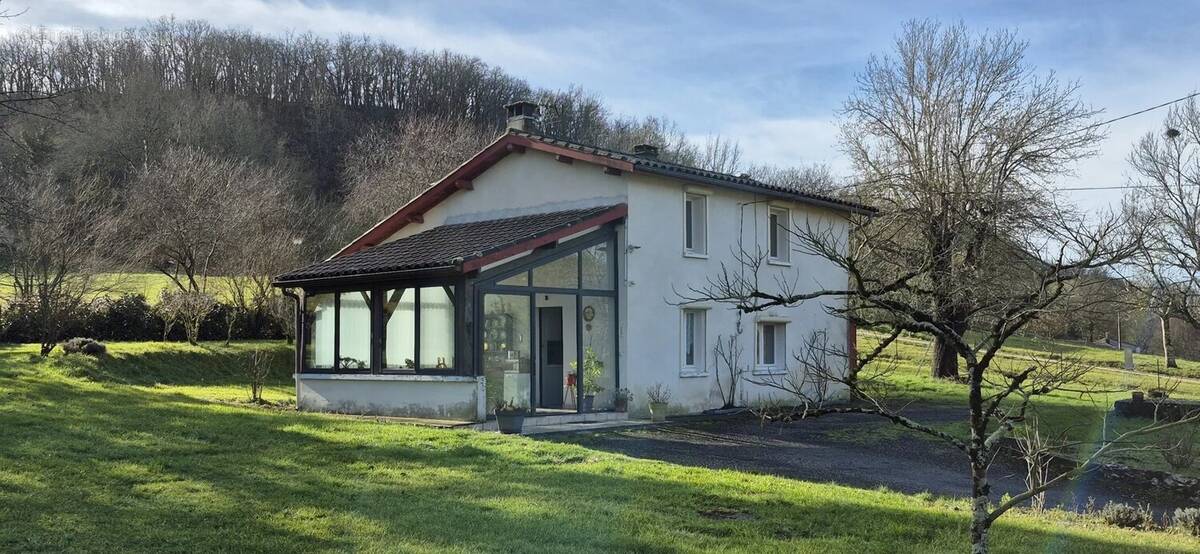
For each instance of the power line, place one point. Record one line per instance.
(1077, 131)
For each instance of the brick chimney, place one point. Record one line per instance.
(648, 151)
(522, 115)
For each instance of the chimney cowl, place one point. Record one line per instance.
(521, 115)
(647, 151)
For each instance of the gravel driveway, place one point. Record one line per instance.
(848, 449)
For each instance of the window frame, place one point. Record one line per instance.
(689, 197)
(778, 362)
(378, 328)
(699, 341)
(779, 244)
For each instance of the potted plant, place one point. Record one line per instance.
(660, 397)
(593, 370)
(621, 400)
(510, 417)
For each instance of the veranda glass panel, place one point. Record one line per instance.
(318, 344)
(597, 272)
(437, 329)
(506, 349)
(599, 350)
(354, 331)
(400, 331)
(519, 280)
(561, 273)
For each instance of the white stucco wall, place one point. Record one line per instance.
(521, 184)
(656, 268)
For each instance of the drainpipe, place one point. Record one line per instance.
(290, 293)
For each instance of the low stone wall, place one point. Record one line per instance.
(424, 396)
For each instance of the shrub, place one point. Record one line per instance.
(130, 317)
(81, 345)
(1187, 520)
(658, 394)
(126, 318)
(1129, 517)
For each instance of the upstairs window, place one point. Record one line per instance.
(778, 235)
(695, 224)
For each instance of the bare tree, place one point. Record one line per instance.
(390, 165)
(54, 237)
(956, 138)
(258, 369)
(1167, 179)
(188, 308)
(971, 233)
(728, 355)
(188, 210)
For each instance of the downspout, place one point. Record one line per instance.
(288, 292)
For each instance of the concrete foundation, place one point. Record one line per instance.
(422, 396)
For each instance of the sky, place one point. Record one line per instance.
(770, 75)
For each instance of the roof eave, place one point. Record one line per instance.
(796, 196)
(362, 278)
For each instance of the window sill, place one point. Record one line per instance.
(778, 262)
(691, 373)
(695, 255)
(768, 370)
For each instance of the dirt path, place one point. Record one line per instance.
(850, 449)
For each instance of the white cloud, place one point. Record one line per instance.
(786, 142)
(495, 46)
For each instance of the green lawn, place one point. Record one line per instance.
(1081, 416)
(132, 453)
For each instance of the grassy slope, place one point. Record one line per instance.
(102, 464)
(146, 284)
(1080, 416)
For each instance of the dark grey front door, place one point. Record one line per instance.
(550, 365)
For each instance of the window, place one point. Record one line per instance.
(321, 320)
(692, 344)
(428, 311)
(399, 320)
(695, 224)
(403, 329)
(778, 234)
(338, 331)
(562, 273)
(437, 328)
(596, 271)
(519, 280)
(354, 331)
(771, 347)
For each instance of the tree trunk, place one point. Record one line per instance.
(979, 525)
(980, 490)
(1168, 349)
(945, 360)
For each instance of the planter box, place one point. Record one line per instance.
(658, 411)
(510, 423)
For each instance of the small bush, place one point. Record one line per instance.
(1187, 520)
(1126, 516)
(81, 345)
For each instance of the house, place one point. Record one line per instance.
(538, 253)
